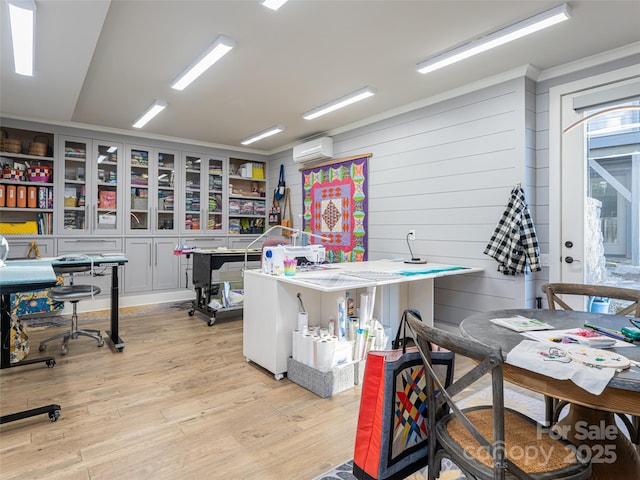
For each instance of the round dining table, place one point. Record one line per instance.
(590, 420)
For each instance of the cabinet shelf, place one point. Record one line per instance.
(23, 198)
(24, 209)
(25, 183)
(246, 197)
(248, 179)
(22, 156)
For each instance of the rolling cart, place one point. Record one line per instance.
(204, 263)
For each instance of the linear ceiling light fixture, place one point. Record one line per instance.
(497, 38)
(152, 111)
(263, 134)
(273, 4)
(353, 97)
(219, 48)
(22, 14)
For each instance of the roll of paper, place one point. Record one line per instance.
(296, 340)
(342, 317)
(303, 321)
(380, 338)
(325, 349)
(371, 291)
(332, 327)
(361, 343)
(312, 357)
(354, 324)
(306, 352)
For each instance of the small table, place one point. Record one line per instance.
(590, 415)
(14, 278)
(84, 260)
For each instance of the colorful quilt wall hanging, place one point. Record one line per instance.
(335, 199)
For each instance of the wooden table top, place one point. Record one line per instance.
(622, 394)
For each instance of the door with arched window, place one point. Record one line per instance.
(598, 230)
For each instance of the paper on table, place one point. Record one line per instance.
(521, 324)
(553, 361)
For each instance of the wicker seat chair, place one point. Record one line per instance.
(487, 442)
(554, 406)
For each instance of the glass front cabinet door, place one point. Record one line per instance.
(151, 189)
(91, 180)
(203, 192)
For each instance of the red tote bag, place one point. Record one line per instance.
(392, 437)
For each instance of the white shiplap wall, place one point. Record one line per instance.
(445, 170)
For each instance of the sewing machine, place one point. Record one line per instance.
(273, 256)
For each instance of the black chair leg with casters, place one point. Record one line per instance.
(73, 293)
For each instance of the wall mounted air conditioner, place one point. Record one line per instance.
(317, 149)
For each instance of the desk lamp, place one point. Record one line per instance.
(414, 260)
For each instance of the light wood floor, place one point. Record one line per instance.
(179, 402)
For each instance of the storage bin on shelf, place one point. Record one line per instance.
(40, 173)
(37, 148)
(13, 174)
(10, 145)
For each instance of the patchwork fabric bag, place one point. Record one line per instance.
(392, 440)
(19, 346)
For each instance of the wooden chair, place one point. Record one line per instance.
(554, 406)
(552, 290)
(487, 442)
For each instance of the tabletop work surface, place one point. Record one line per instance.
(480, 327)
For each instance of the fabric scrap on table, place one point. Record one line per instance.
(553, 362)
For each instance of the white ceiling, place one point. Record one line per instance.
(102, 63)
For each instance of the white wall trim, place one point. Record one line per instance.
(588, 62)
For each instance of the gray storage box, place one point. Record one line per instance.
(325, 384)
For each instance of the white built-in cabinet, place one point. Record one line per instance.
(202, 178)
(152, 264)
(88, 181)
(135, 197)
(151, 190)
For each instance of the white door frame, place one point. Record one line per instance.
(555, 155)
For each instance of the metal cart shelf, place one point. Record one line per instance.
(205, 262)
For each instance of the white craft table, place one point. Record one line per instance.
(271, 304)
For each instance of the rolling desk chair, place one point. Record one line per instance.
(73, 293)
